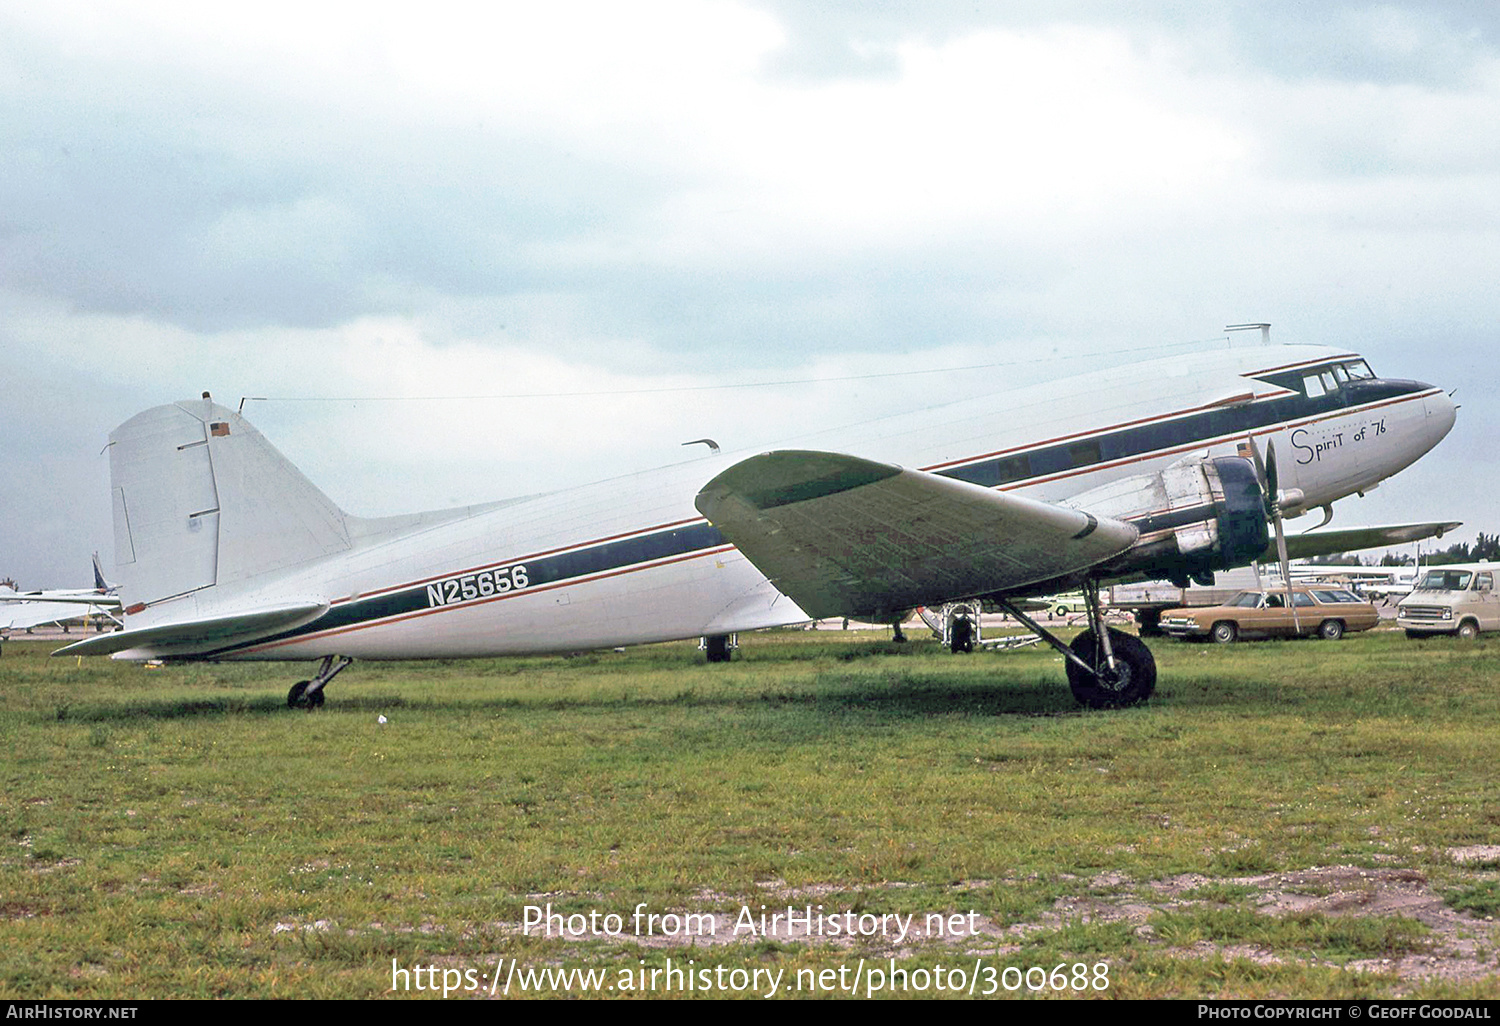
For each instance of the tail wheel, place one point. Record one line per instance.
(1224, 632)
(1131, 681)
(1331, 630)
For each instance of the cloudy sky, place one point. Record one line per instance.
(440, 201)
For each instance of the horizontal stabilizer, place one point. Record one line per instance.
(844, 536)
(195, 637)
(1323, 543)
(18, 612)
(107, 601)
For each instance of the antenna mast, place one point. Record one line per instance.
(1265, 331)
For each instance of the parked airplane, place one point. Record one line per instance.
(20, 610)
(225, 551)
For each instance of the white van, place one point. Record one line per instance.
(1454, 598)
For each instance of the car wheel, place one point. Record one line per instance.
(1224, 632)
(1331, 630)
(1468, 630)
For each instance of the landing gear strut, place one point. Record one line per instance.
(1106, 668)
(308, 694)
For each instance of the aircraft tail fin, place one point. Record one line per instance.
(201, 499)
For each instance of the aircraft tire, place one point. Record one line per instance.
(962, 639)
(1136, 667)
(717, 648)
(297, 697)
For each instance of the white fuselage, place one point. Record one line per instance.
(631, 560)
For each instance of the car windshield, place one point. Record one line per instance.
(1445, 580)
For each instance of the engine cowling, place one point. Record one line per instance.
(1194, 518)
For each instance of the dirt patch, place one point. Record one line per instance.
(1461, 947)
(1458, 948)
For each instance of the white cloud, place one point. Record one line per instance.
(455, 199)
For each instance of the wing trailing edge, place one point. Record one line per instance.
(845, 536)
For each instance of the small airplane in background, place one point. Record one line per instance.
(1166, 469)
(21, 610)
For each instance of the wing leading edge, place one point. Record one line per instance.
(845, 536)
(1322, 543)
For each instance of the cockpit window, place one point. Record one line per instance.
(1316, 381)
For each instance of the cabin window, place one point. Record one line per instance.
(1313, 386)
(1082, 454)
(1017, 468)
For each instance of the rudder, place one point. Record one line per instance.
(201, 499)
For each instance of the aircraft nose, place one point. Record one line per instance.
(1442, 411)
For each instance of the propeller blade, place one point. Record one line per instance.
(1260, 464)
(1265, 472)
(1286, 572)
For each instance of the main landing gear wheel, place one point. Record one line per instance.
(1131, 681)
(962, 639)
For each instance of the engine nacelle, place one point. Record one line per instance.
(1194, 518)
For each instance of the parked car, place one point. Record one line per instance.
(1457, 598)
(1324, 611)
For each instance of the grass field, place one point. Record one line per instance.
(1296, 819)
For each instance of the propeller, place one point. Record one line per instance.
(1265, 472)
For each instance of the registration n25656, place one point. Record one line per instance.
(484, 584)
